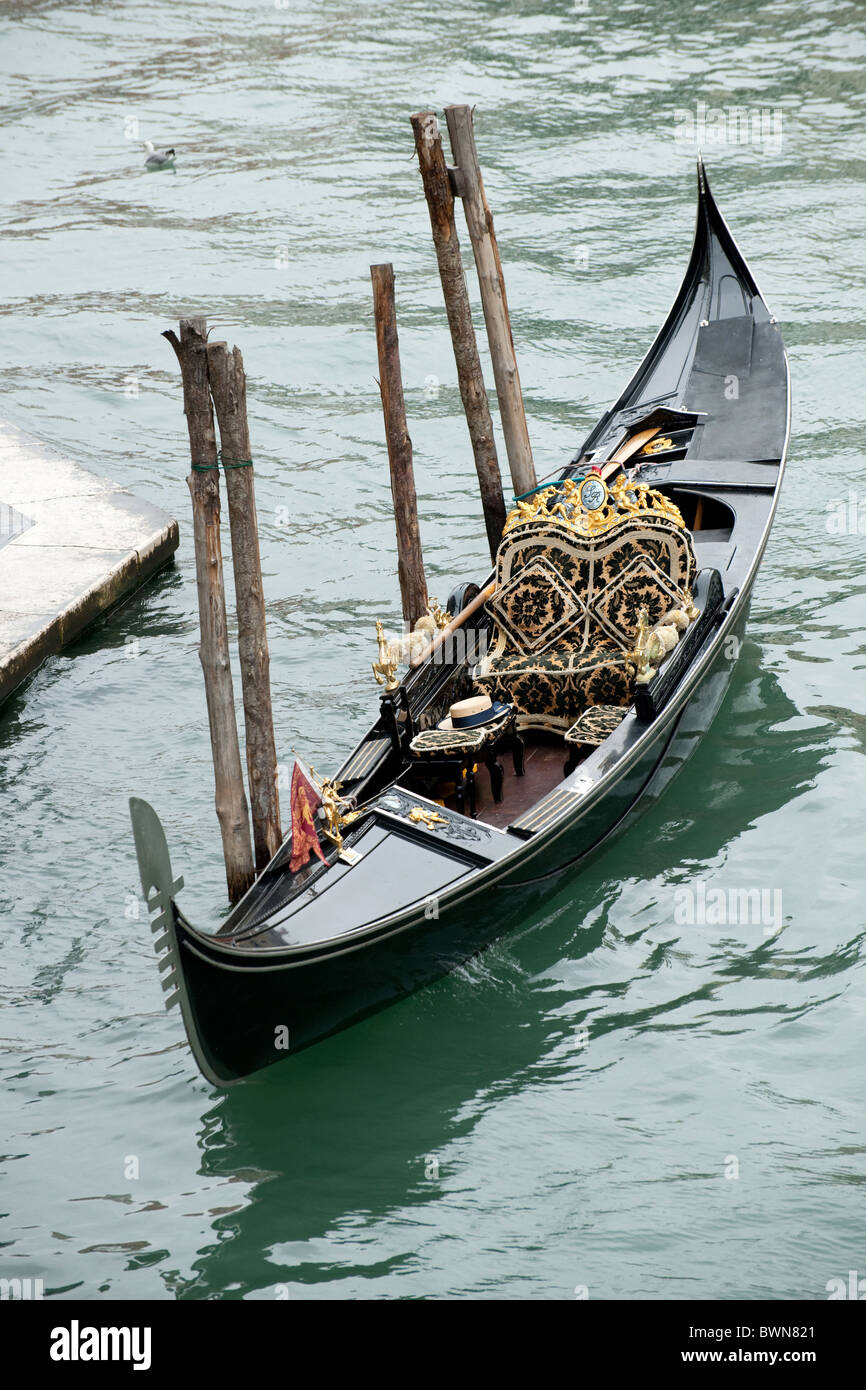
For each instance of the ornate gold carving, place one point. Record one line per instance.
(592, 493)
(685, 613)
(385, 669)
(419, 816)
(561, 503)
(647, 649)
(440, 618)
(410, 647)
(653, 644)
(413, 644)
(657, 446)
(338, 810)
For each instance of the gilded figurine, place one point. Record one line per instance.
(385, 669)
(338, 811)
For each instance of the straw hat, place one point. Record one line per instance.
(473, 713)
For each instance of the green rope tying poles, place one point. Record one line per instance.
(232, 463)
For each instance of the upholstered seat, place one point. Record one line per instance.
(590, 730)
(570, 588)
(454, 743)
(595, 725)
(436, 750)
(550, 687)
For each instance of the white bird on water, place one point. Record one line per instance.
(157, 159)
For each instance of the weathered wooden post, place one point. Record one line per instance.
(410, 562)
(440, 202)
(479, 220)
(229, 391)
(231, 805)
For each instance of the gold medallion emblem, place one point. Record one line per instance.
(592, 493)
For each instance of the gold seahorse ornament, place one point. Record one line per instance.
(385, 669)
(647, 651)
(419, 816)
(338, 811)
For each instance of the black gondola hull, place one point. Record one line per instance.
(278, 1004)
(303, 956)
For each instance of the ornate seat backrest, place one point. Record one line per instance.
(569, 579)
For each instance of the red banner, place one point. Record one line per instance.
(305, 801)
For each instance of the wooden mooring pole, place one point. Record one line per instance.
(231, 804)
(479, 219)
(440, 202)
(410, 561)
(229, 391)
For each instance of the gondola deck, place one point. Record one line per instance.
(305, 954)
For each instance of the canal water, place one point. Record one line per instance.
(631, 1095)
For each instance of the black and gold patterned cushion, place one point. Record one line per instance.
(595, 725)
(655, 553)
(455, 743)
(566, 608)
(536, 608)
(641, 583)
(604, 677)
(543, 698)
(550, 690)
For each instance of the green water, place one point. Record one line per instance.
(564, 1111)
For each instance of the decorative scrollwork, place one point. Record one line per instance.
(560, 503)
(402, 803)
(385, 669)
(338, 811)
(438, 614)
(432, 819)
(657, 446)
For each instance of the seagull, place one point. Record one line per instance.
(157, 159)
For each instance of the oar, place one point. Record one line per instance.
(457, 621)
(630, 446)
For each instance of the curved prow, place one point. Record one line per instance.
(718, 334)
(720, 259)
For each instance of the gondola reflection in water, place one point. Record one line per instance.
(501, 762)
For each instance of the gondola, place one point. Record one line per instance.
(603, 648)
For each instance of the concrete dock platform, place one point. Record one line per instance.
(71, 546)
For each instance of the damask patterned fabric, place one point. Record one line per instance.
(551, 689)
(536, 608)
(606, 677)
(646, 560)
(595, 724)
(642, 583)
(457, 742)
(566, 611)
